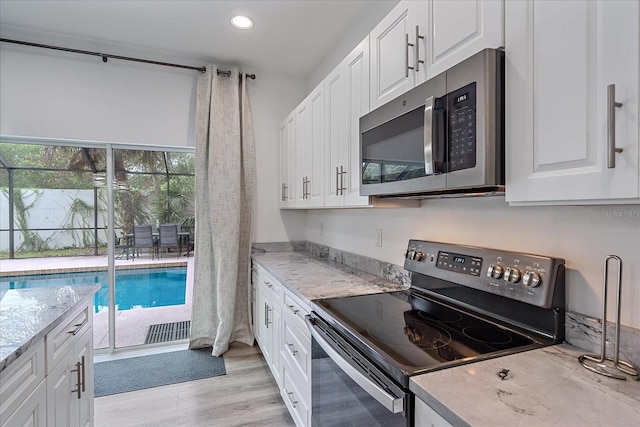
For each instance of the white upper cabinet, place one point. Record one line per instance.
(303, 147)
(357, 80)
(316, 148)
(457, 29)
(287, 161)
(392, 48)
(346, 100)
(420, 39)
(562, 57)
(337, 147)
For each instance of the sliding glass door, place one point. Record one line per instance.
(73, 211)
(154, 221)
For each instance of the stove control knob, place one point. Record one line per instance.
(495, 271)
(409, 254)
(531, 279)
(512, 275)
(418, 256)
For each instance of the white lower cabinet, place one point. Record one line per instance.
(23, 390)
(296, 399)
(52, 383)
(70, 387)
(32, 412)
(269, 294)
(295, 352)
(427, 417)
(285, 342)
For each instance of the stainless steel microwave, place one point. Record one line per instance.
(443, 138)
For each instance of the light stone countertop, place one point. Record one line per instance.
(544, 387)
(312, 278)
(27, 315)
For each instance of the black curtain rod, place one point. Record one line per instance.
(106, 56)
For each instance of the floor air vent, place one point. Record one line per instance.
(168, 332)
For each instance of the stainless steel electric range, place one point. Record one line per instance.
(465, 304)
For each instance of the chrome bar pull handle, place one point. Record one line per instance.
(84, 380)
(417, 48)
(429, 167)
(406, 55)
(342, 174)
(292, 349)
(78, 327)
(611, 126)
(290, 397)
(78, 390)
(337, 181)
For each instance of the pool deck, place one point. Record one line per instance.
(14, 267)
(131, 325)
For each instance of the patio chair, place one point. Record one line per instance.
(169, 238)
(143, 239)
(123, 244)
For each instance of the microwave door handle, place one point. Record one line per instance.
(391, 403)
(429, 167)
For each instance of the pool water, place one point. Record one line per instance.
(135, 288)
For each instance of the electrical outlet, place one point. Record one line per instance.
(379, 237)
(321, 229)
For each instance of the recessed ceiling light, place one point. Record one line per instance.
(241, 22)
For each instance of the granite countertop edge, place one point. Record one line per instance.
(83, 293)
(346, 280)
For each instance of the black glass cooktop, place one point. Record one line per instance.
(414, 334)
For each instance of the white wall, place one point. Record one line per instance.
(582, 235)
(53, 94)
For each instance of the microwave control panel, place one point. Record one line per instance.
(461, 106)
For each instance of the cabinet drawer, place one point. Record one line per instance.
(273, 287)
(296, 401)
(20, 379)
(62, 339)
(296, 348)
(298, 312)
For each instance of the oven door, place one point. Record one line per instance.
(347, 389)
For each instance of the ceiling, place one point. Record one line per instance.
(289, 37)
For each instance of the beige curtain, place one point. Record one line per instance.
(225, 179)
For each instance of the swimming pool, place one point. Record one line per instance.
(135, 288)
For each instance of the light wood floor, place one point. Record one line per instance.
(246, 396)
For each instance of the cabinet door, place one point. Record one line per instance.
(32, 411)
(357, 95)
(337, 146)
(302, 153)
(274, 327)
(316, 145)
(391, 54)
(83, 353)
(561, 56)
(425, 416)
(70, 386)
(457, 29)
(60, 382)
(287, 161)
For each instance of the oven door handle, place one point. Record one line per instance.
(392, 403)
